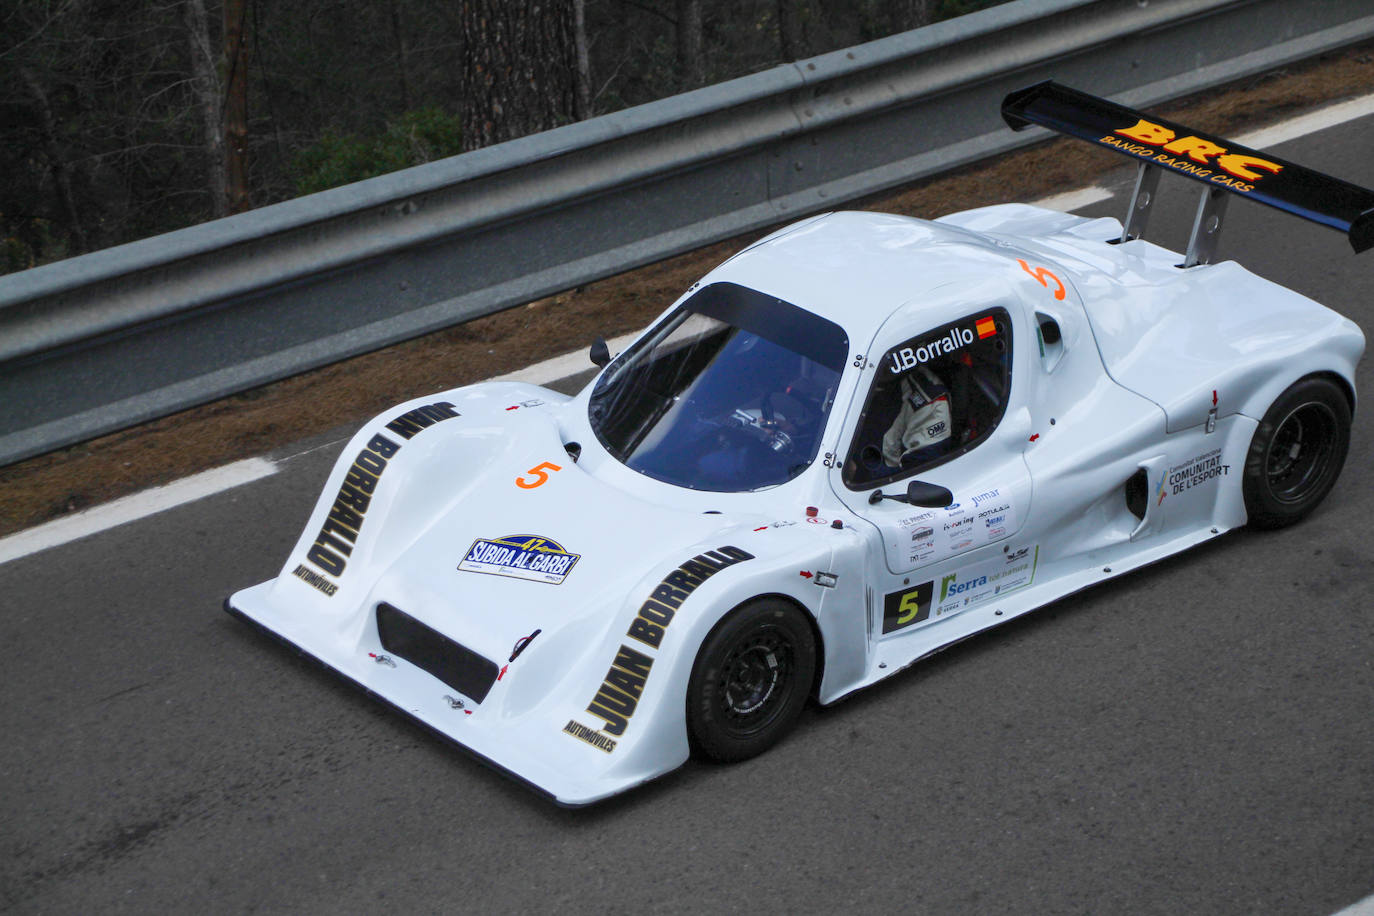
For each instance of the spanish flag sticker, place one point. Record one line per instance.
(986, 327)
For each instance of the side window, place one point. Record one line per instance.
(934, 397)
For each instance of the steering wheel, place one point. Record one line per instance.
(766, 407)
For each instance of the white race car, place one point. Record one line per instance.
(860, 440)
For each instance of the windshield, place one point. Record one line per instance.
(729, 393)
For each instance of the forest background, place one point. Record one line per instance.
(120, 120)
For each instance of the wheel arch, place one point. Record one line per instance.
(1344, 384)
(807, 614)
(1258, 402)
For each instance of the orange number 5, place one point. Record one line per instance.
(541, 475)
(1040, 274)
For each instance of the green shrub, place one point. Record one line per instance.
(414, 138)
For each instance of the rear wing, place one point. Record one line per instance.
(1219, 164)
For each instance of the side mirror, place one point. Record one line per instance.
(918, 493)
(601, 354)
(928, 495)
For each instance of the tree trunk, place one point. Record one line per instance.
(206, 89)
(789, 30)
(690, 65)
(912, 14)
(879, 18)
(519, 71)
(235, 106)
(584, 66)
(401, 75)
(57, 164)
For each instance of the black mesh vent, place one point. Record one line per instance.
(456, 665)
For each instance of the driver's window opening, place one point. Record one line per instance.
(934, 397)
(730, 393)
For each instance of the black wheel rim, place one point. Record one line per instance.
(756, 680)
(1300, 452)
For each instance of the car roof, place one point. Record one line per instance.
(857, 268)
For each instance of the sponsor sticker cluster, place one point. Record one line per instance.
(935, 533)
(990, 578)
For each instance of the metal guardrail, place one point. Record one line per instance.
(121, 336)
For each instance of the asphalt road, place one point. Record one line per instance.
(1196, 737)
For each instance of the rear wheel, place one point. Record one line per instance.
(750, 680)
(1296, 453)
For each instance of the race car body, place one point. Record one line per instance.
(862, 439)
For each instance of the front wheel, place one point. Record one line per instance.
(1296, 453)
(750, 680)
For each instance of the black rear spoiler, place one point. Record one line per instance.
(1221, 165)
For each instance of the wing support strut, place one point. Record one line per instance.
(1206, 234)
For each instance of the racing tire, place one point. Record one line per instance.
(1296, 453)
(750, 680)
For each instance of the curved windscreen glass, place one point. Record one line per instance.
(729, 393)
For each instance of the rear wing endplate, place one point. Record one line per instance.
(1222, 166)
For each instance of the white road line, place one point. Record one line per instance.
(1072, 200)
(189, 489)
(1364, 907)
(148, 502)
(133, 507)
(551, 370)
(1309, 123)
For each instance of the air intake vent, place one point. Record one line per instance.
(456, 665)
(1138, 494)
